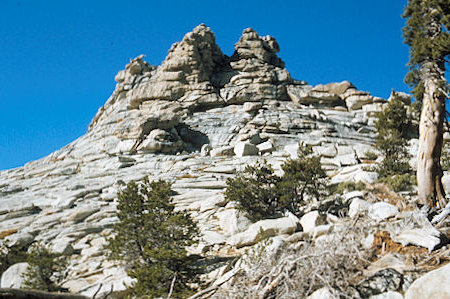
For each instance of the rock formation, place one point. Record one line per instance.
(195, 120)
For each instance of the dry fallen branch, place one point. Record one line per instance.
(336, 262)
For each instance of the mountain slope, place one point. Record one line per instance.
(195, 120)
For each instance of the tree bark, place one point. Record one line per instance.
(431, 130)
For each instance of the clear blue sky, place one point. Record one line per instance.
(58, 59)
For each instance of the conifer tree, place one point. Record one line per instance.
(46, 270)
(392, 128)
(151, 238)
(427, 34)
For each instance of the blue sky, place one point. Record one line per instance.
(58, 59)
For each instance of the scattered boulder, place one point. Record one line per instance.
(381, 282)
(307, 95)
(12, 277)
(387, 295)
(382, 210)
(265, 147)
(245, 149)
(311, 220)
(62, 246)
(391, 260)
(262, 229)
(334, 88)
(357, 206)
(323, 293)
(232, 221)
(355, 99)
(434, 284)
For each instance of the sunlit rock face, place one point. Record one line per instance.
(195, 120)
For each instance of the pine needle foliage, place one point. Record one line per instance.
(392, 126)
(262, 194)
(303, 179)
(46, 269)
(255, 192)
(427, 32)
(151, 239)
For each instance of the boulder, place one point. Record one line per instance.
(434, 284)
(355, 100)
(262, 229)
(222, 151)
(382, 210)
(387, 295)
(381, 282)
(232, 221)
(369, 177)
(245, 149)
(391, 260)
(357, 206)
(211, 238)
(311, 220)
(306, 95)
(251, 106)
(265, 147)
(323, 293)
(12, 277)
(62, 246)
(335, 88)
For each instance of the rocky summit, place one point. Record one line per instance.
(196, 120)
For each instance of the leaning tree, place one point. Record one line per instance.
(427, 34)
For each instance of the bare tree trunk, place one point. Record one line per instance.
(429, 171)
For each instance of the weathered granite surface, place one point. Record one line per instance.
(195, 120)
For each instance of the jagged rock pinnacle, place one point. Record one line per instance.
(196, 75)
(251, 45)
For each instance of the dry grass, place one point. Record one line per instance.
(383, 244)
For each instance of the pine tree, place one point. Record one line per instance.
(427, 34)
(151, 238)
(392, 126)
(46, 269)
(262, 194)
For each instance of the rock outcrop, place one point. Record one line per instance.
(195, 120)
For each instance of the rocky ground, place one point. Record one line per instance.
(196, 120)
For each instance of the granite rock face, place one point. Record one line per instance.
(195, 120)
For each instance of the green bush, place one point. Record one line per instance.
(151, 239)
(46, 269)
(262, 194)
(400, 182)
(304, 179)
(256, 192)
(371, 156)
(344, 187)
